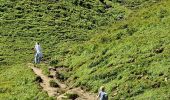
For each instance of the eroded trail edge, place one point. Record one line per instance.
(59, 92)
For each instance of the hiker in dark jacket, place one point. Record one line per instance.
(102, 94)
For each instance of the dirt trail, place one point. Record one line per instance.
(60, 91)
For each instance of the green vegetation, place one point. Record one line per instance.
(17, 83)
(121, 44)
(53, 83)
(71, 96)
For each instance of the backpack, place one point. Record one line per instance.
(105, 97)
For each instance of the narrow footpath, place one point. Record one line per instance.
(59, 92)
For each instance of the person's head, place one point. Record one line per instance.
(102, 88)
(37, 43)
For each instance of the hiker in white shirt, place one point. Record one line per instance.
(102, 94)
(38, 54)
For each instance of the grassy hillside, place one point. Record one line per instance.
(17, 81)
(121, 44)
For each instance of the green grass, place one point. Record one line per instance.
(121, 45)
(18, 83)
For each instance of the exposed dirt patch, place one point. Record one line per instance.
(61, 91)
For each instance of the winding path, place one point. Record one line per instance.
(56, 92)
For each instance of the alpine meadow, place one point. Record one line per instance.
(123, 45)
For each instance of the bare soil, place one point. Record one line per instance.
(59, 92)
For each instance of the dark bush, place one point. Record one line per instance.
(54, 62)
(50, 76)
(2, 9)
(3, 90)
(19, 8)
(156, 85)
(53, 83)
(130, 31)
(18, 16)
(72, 96)
(38, 79)
(119, 35)
(163, 13)
(61, 76)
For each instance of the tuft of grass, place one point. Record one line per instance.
(121, 44)
(53, 83)
(72, 96)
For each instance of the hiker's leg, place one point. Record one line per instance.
(35, 58)
(38, 58)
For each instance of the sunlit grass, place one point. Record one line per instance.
(124, 47)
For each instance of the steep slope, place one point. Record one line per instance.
(123, 45)
(132, 59)
(50, 22)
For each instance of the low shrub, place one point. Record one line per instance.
(72, 96)
(53, 83)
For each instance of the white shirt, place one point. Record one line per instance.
(38, 48)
